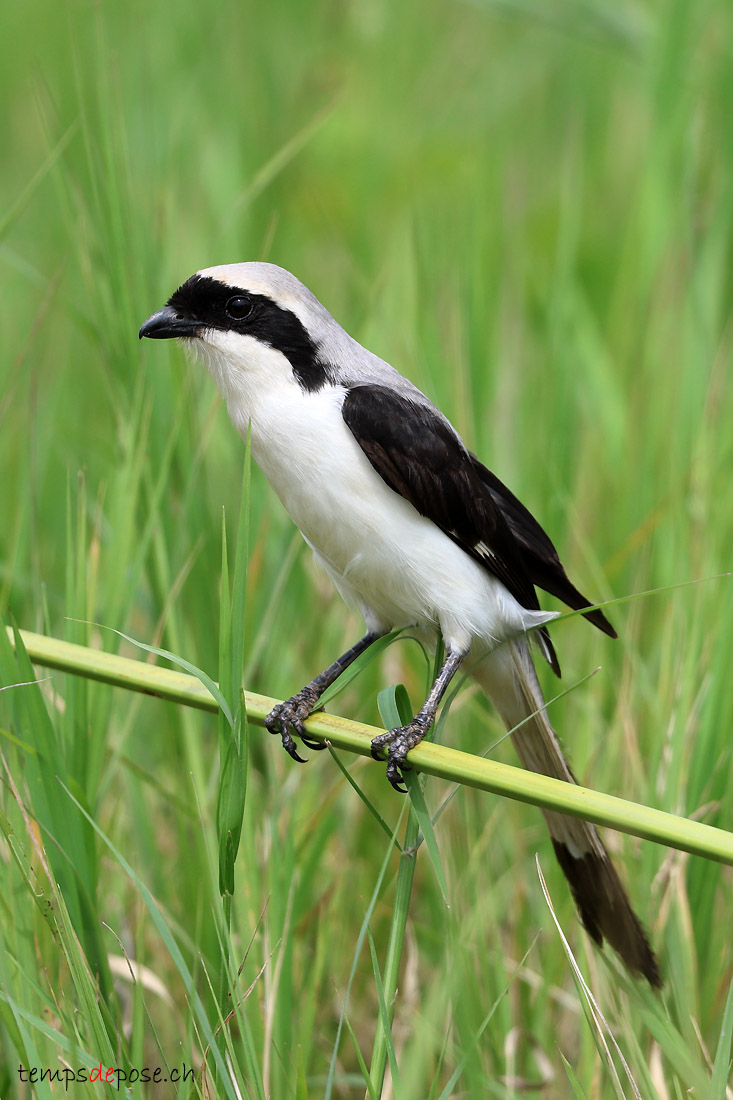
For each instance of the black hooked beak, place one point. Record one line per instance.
(168, 324)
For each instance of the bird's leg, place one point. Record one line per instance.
(287, 718)
(404, 738)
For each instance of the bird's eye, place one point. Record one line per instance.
(238, 307)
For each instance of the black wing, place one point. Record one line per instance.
(541, 558)
(420, 457)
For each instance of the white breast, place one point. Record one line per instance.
(385, 558)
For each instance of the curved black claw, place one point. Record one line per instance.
(397, 757)
(290, 749)
(288, 718)
(396, 777)
(311, 744)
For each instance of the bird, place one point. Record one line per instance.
(412, 529)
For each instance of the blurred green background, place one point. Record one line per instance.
(526, 207)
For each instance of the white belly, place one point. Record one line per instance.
(386, 559)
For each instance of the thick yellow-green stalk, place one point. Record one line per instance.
(437, 760)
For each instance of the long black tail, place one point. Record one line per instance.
(508, 677)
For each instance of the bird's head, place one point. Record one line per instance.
(246, 319)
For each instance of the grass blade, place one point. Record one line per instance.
(395, 710)
(721, 1067)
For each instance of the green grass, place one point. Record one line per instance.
(526, 207)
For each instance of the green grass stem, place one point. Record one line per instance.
(394, 707)
(438, 760)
